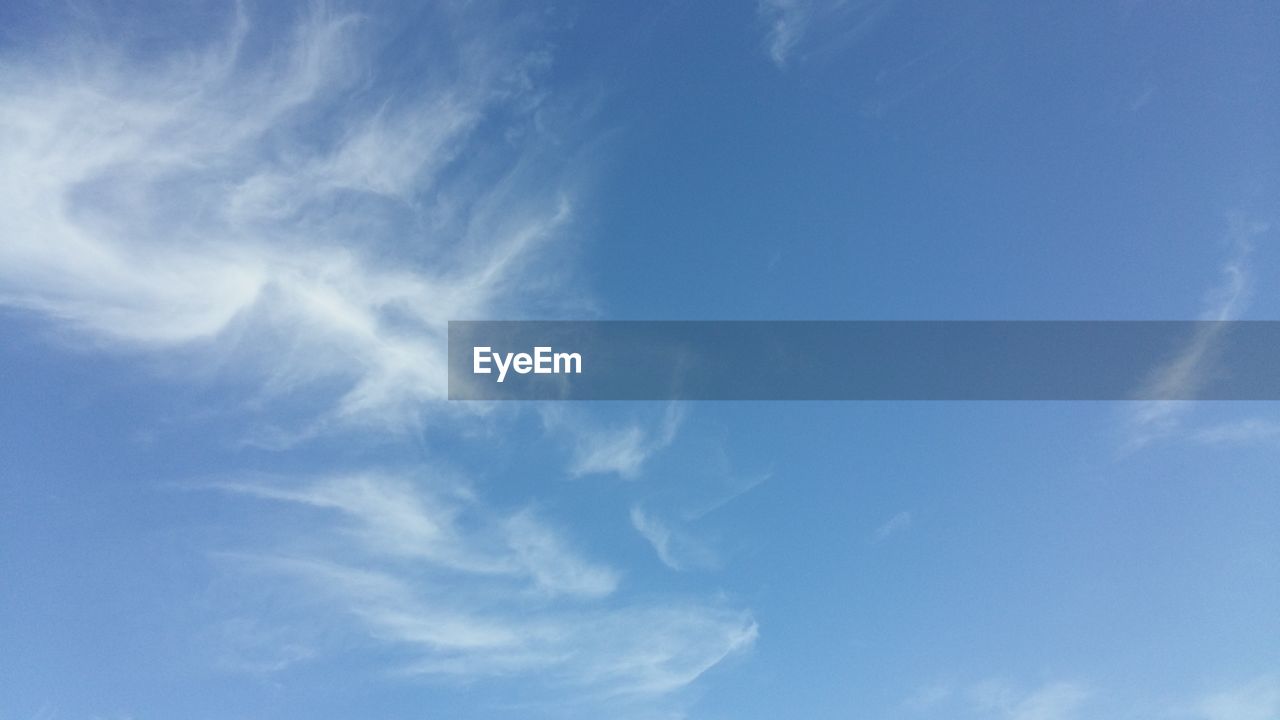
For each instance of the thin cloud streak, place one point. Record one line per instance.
(675, 548)
(787, 21)
(448, 528)
(997, 699)
(1255, 700)
(1051, 701)
(423, 568)
(623, 450)
(789, 24)
(899, 523)
(1180, 377)
(1251, 431)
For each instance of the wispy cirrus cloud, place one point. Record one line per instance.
(447, 528)
(1183, 374)
(1255, 699)
(675, 548)
(1258, 699)
(789, 23)
(475, 594)
(899, 523)
(265, 206)
(1051, 701)
(1055, 700)
(1250, 431)
(618, 449)
(275, 203)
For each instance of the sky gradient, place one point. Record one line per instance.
(231, 237)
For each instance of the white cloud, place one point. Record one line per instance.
(1051, 701)
(999, 700)
(675, 548)
(444, 527)
(1057, 701)
(1249, 431)
(896, 524)
(789, 23)
(1256, 700)
(1182, 375)
(278, 208)
(929, 697)
(619, 450)
(474, 594)
(542, 552)
(266, 209)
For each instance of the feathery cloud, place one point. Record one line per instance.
(389, 516)
(275, 205)
(835, 22)
(620, 450)
(1051, 701)
(999, 699)
(1183, 374)
(896, 524)
(476, 594)
(264, 205)
(675, 548)
(1255, 700)
(1250, 431)
(787, 21)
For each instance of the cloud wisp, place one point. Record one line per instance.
(1052, 701)
(389, 516)
(268, 207)
(472, 594)
(1181, 376)
(899, 523)
(1255, 700)
(265, 206)
(787, 21)
(277, 206)
(1057, 700)
(619, 450)
(674, 547)
(791, 23)
(1250, 431)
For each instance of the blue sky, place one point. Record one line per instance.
(231, 237)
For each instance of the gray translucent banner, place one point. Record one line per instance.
(864, 360)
